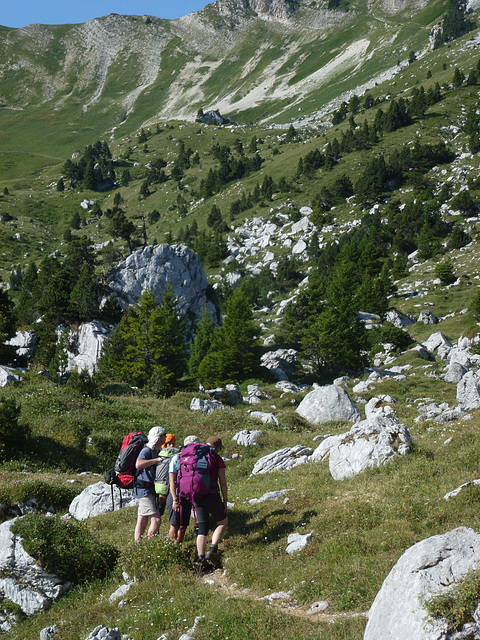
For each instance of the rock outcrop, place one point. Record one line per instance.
(427, 568)
(369, 443)
(97, 499)
(283, 459)
(153, 268)
(23, 581)
(327, 403)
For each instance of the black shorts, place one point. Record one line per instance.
(185, 512)
(209, 505)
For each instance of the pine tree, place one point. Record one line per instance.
(7, 327)
(202, 342)
(234, 352)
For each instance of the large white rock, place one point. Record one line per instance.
(264, 416)
(85, 346)
(283, 459)
(23, 581)
(247, 438)
(25, 343)
(281, 363)
(399, 319)
(369, 443)
(206, 406)
(468, 391)
(154, 267)
(425, 569)
(97, 499)
(436, 340)
(327, 403)
(7, 376)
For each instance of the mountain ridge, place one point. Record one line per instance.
(237, 56)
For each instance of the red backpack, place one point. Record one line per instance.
(194, 473)
(124, 473)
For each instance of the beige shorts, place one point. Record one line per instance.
(147, 507)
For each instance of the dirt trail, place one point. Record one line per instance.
(220, 581)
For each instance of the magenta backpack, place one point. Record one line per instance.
(194, 473)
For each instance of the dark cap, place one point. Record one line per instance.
(215, 442)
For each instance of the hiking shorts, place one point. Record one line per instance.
(174, 516)
(206, 506)
(147, 506)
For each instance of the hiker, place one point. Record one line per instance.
(170, 442)
(167, 452)
(179, 517)
(210, 504)
(144, 489)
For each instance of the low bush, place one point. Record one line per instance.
(66, 548)
(456, 605)
(46, 494)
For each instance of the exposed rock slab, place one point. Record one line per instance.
(425, 569)
(328, 403)
(369, 443)
(283, 459)
(97, 499)
(247, 438)
(156, 266)
(23, 581)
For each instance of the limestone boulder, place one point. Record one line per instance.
(468, 391)
(437, 340)
(206, 406)
(153, 268)
(8, 376)
(425, 569)
(97, 499)
(248, 438)
(427, 317)
(281, 363)
(369, 443)
(25, 343)
(264, 416)
(23, 581)
(85, 346)
(327, 403)
(283, 459)
(399, 319)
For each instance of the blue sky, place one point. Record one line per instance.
(20, 13)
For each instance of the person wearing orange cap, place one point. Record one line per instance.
(169, 441)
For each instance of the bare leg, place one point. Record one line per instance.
(155, 522)
(140, 527)
(219, 531)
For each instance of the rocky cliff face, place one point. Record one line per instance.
(153, 268)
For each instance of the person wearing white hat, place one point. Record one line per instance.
(144, 489)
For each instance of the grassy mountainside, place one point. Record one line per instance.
(360, 526)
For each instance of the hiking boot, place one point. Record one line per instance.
(201, 565)
(213, 557)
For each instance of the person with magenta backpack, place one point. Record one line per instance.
(200, 479)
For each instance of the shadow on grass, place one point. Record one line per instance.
(267, 529)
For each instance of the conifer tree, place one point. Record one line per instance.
(202, 342)
(234, 351)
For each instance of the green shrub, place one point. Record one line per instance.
(12, 432)
(474, 307)
(66, 548)
(456, 605)
(444, 271)
(152, 556)
(46, 494)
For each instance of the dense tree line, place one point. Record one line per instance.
(94, 170)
